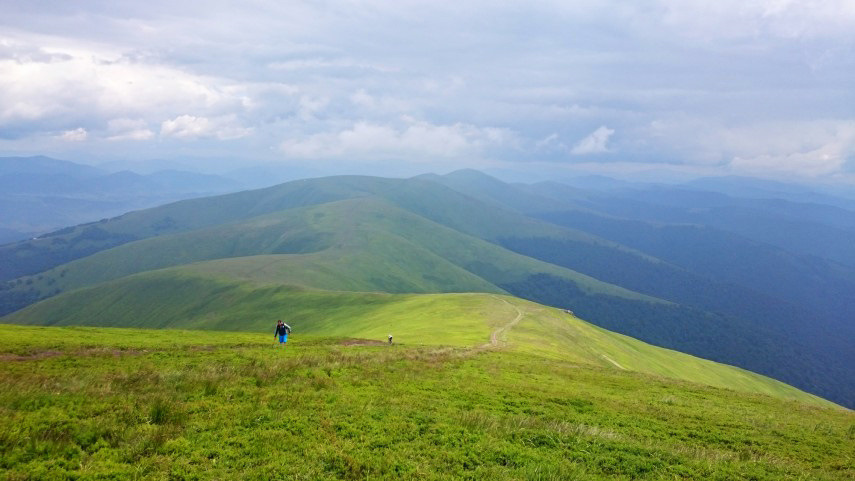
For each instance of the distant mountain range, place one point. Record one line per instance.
(40, 194)
(732, 279)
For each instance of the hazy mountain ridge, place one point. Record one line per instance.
(49, 250)
(807, 228)
(40, 194)
(736, 186)
(42, 165)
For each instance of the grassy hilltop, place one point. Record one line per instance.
(105, 403)
(363, 244)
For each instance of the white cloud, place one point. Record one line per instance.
(76, 135)
(383, 105)
(595, 143)
(192, 127)
(780, 148)
(819, 162)
(791, 19)
(361, 98)
(316, 64)
(186, 126)
(88, 83)
(128, 129)
(820, 150)
(417, 140)
(310, 107)
(549, 142)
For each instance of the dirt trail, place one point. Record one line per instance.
(494, 336)
(500, 331)
(607, 358)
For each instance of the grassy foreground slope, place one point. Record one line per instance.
(179, 298)
(97, 403)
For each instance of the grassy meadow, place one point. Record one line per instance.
(108, 403)
(180, 299)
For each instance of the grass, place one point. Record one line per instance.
(176, 299)
(169, 299)
(98, 403)
(362, 244)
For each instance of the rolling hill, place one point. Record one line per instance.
(365, 242)
(190, 298)
(430, 234)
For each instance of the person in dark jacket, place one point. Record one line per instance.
(282, 330)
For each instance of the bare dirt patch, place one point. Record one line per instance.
(80, 352)
(106, 352)
(33, 356)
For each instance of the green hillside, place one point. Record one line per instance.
(50, 250)
(365, 234)
(185, 298)
(362, 244)
(425, 198)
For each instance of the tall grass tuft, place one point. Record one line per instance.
(160, 411)
(209, 387)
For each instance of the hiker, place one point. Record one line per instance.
(390, 339)
(282, 330)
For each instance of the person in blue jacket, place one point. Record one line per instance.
(282, 330)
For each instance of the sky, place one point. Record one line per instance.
(688, 87)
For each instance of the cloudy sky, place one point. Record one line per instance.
(762, 87)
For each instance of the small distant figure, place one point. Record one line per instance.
(282, 330)
(390, 339)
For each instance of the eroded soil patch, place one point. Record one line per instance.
(33, 356)
(82, 352)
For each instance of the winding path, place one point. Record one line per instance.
(494, 336)
(607, 358)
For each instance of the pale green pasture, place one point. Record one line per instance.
(166, 299)
(552, 333)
